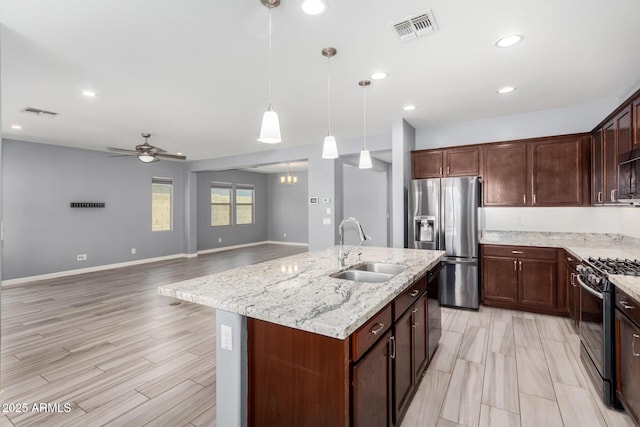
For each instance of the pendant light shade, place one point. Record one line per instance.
(329, 148)
(270, 129)
(365, 156)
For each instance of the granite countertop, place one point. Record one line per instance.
(297, 291)
(581, 245)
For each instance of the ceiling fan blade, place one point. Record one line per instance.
(121, 155)
(171, 156)
(160, 150)
(122, 150)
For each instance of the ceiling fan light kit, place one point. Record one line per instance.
(147, 153)
(270, 129)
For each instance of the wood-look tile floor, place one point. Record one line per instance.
(507, 368)
(120, 355)
(112, 348)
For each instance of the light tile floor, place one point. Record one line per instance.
(498, 368)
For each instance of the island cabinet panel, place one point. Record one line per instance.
(370, 332)
(421, 332)
(403, 364)
(505, 174)
(296, 378)
(522, 278)
(627, 321)
(372, 386)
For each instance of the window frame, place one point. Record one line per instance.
(252, 204)
(168, 182)
(224, 186)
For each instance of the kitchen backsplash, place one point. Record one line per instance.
(614, 220)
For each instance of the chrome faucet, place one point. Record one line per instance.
(342, 254)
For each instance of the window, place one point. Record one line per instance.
(220, 204)
(161, 193)
(244, 204)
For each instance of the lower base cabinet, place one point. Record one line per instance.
(627, 322)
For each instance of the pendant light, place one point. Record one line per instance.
(365, 156)
(270, 129)
(329, 148)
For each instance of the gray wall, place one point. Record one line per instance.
(234, 234)
(288, 209)
(365, 198)
(44, 235)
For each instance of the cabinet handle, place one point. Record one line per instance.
(626, 305)
(599, 196)
(569, 259)
(633, 345)
(440, 170)
(534, 198)
(573, 280)
(414, 311)
(515, 265)
(415, 292)
(524, 199)
(448, 170)
(393, 347)
(613, 195)
(520, 265)
(374, 331)
(517, 252)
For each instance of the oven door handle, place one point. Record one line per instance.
(588, 289)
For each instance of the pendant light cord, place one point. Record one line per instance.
(364, 115)
(329, 90)
(270, 99)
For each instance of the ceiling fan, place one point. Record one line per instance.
(147, 153)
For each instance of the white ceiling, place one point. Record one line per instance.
(193, 73)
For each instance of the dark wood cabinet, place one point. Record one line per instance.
(597, 168)
(372, 386)
(569, 286)
(627, 321)
(403, 379)
(421, 336)
(635, 108)
(505, 174)
(521, 277)
(456, 161)
(427, 164)
(560, 171)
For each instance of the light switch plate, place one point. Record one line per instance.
(226, 337)
(326, 221)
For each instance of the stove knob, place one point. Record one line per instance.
(581, 269)
(594, 280)
(590, 270)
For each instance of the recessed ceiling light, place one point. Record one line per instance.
(314, 7)
(506, 89)
(409, 107)
(17, 127)
(378, 75)
(89, 93)
(510, 40)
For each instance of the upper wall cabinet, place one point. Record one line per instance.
(550, 171)
(458, 161)
(635, 104)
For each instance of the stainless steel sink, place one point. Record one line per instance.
(379, 267)
(362, 276)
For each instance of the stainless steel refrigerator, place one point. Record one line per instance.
(443, 215)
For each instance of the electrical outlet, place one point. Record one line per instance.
(82, 257)
(219, 239)
(133, 251)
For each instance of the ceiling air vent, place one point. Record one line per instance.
(416, 26)
(39, 112)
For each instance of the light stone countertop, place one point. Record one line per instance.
(297, 291)
(581, 245)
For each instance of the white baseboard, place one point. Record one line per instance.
(246, 245)
(21, 280)
(57, 274)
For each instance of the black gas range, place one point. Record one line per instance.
(597, 335)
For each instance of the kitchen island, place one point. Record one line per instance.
(289, 336)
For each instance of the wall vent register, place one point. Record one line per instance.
(416, 26)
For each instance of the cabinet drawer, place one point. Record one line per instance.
(527, 252)
(628, 306)
(408, 297)
(370, 332)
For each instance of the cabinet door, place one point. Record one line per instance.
(624, 130)
(500, 279)
(537, 282)
(420, 336)
(610, 161)
(505, 174)
(573, 294)
(636, 120)
(427, 164)
(372, 387)
(403, 364)
(597, 168)
(462, 161)
(557, 172)
(628, 364)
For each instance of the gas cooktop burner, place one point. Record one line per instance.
(629, 267)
